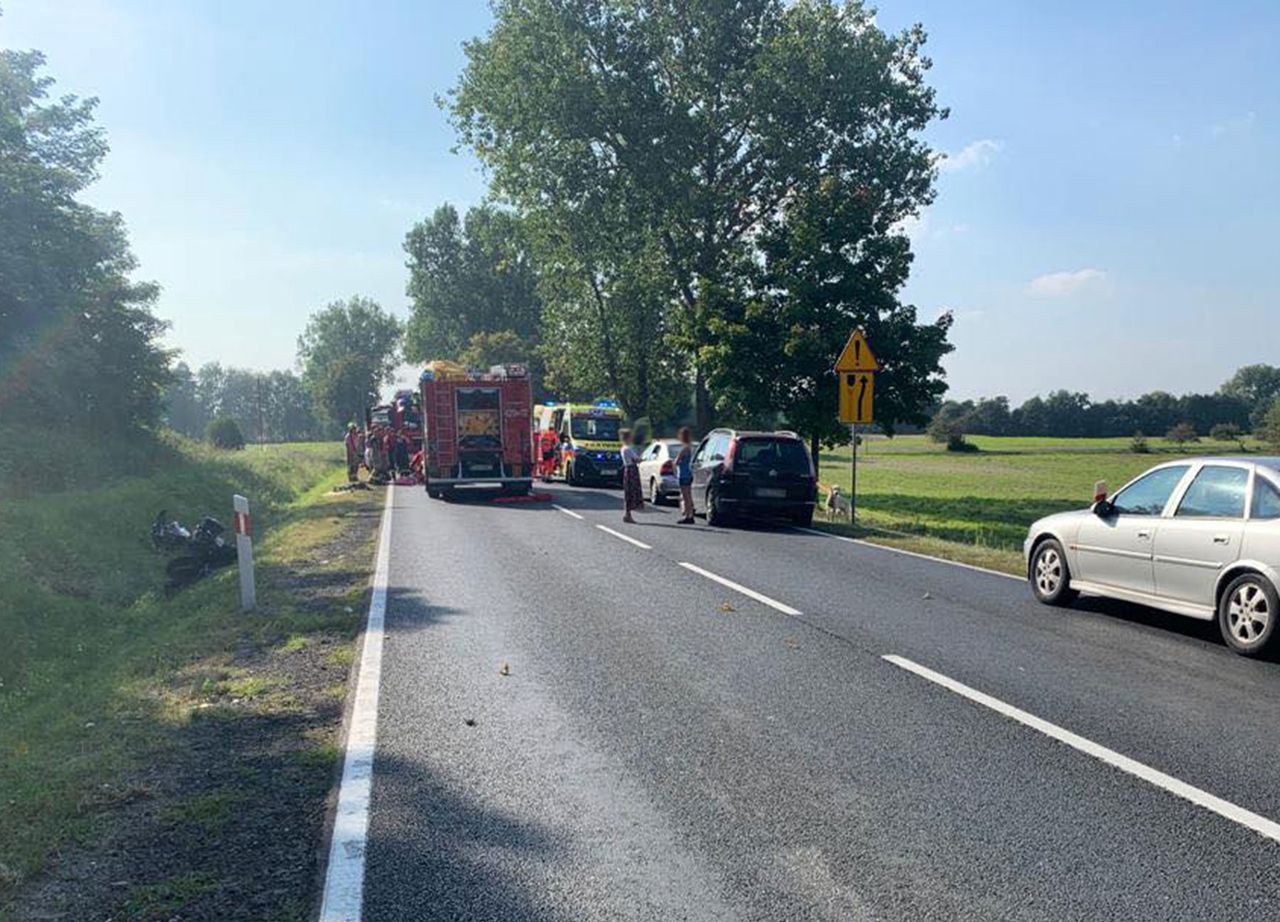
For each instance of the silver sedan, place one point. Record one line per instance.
(1197, 537)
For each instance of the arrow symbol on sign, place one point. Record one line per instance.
(862, 394)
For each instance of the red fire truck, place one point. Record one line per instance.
(476, 428)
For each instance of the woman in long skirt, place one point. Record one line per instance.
(632, 495)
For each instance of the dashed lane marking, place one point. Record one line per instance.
(626, 538)
(738, 587)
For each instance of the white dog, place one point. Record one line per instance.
(837, 504)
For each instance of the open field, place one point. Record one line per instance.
(132, 724)
(976, 506)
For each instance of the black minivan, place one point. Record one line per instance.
(754, 473)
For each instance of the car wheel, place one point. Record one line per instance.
(1247, 614)
(802, 517)
(655, 492)
(716, 514)
(1050, 577)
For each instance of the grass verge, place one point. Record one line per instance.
(132, 724)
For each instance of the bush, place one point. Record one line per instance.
(223, 432)
(1182, 433)
(943, 429)
(1138, 444)
(957, 442)
(1227, 432)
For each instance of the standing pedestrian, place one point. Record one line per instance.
(632, 496)
(684, 475)
(354, 452)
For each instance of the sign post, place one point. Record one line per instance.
(244, 551)
(856, 369)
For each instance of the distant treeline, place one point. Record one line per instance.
(1242, 402)
(267, 406)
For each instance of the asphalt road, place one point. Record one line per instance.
(667, 747)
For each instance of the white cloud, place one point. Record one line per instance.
(1231, 126)
(1062, 284)
(975, 155)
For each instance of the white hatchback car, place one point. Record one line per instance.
(1197, 537)
(658, 471)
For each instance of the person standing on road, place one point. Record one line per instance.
(632, 496)
(354, 452)
(684, 475)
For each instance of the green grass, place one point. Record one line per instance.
(976, 506)
(95, 660)
(162, 900)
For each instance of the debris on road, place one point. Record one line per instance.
(469, 721)
(504, 668)
(726, 607)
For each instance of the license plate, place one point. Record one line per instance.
(770, 492)
(608, 471)
(482, 467)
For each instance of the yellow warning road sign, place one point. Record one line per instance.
(857, 394)
(857, 355)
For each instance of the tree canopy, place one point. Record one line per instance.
(347, 352)
(710, 185)
(466, 277)
(76, 332)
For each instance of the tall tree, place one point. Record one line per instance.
(75, 331)
(704, 123)
(1258, 386)
(347, 352)
(467, 277)
(183, 410)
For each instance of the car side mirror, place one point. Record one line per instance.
(1104, 509)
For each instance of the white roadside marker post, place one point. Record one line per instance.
(244, 551)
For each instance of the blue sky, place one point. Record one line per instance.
(1106, 221)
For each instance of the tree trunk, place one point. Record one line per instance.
(701, 404)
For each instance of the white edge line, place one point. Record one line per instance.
(627, 538)
(1224, 808)
(344, 875)
(898, 550)
(749, 593)
(569, 512)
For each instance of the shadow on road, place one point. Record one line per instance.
(437, 854)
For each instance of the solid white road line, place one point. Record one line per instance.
(568, 512)
(627, 538)
(749, 593)
(1224, 808)
(898, 550)
(344, 877)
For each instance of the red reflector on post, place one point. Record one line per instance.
(243, 525)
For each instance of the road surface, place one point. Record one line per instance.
(704, 725)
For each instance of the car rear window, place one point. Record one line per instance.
(773, 454)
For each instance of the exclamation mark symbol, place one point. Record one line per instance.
(857, 352)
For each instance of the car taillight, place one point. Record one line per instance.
(667, 469)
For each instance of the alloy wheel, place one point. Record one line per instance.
(1048, 571)
(1248, 613)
